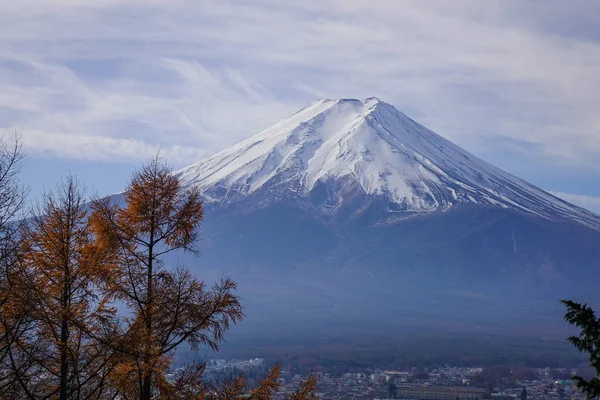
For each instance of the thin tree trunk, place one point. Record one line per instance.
(65, 304)
(64, 360)
(147, 380)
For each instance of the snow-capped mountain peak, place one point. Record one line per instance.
(370, 147)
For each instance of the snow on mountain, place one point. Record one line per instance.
(371, 146)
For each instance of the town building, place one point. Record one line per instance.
(428, 392)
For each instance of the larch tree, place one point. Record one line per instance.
(167, 306)
(70, 264)
(189, 384)
(13, 317)
(236, 389)
(61, 271)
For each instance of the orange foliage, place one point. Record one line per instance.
(58, 277)
(60, 334)
(168, 306)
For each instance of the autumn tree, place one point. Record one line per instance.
(66, 270)
(167, 306)
(235, 388)
(59, 274)
(12, 315)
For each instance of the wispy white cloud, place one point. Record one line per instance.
(589, 202)
(192, 111)
(100, 148)
(205, 74)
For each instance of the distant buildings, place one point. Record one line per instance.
(505, 396)
(442, 383)
(220, 365)
(427, 392)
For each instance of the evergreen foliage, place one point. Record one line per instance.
(588, 341)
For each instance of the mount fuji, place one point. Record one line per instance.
(349, 212)
(366, 147)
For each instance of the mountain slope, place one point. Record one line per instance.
(349, 212)
(367, 147)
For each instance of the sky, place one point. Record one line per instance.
(97, 87)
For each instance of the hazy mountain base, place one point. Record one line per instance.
(350, 219)
(470, 260)
(346, 350)
(469, 245)
(470, 286)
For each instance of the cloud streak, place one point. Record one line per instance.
(98, 148)
(589, 202)
(201, 75)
